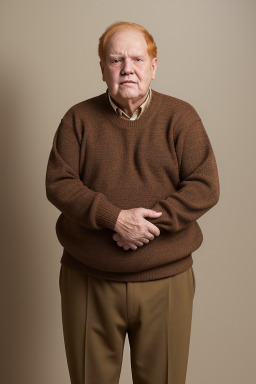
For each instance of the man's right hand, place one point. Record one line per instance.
(133, 228)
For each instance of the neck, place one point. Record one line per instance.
(129, 106)
(140, 123)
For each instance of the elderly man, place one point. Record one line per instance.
(131, 170)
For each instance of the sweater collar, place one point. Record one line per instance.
(149, 112)
(138, 111)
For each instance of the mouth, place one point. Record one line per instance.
(128, 82)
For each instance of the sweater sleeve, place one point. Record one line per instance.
(199, 182)
(66, 191)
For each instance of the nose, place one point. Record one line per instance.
(126, 67)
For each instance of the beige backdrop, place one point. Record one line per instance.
(49, 62)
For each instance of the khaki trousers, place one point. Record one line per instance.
(156, 314)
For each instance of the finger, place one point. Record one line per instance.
(115, 236)
(145, 240)
(132, 246)
(150, 236)
(121, 240)
(120, 243)
(138, 243)
(126, 247)
(153, 228)
(123, 244)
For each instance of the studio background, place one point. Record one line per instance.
(206, 56)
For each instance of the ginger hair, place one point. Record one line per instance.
(120, 26)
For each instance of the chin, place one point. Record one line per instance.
(129, 94)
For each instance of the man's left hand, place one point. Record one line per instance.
(121, 242)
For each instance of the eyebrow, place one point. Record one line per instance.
(120, 55)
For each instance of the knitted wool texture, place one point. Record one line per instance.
(100, 164)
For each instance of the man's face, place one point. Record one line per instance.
(128, 69)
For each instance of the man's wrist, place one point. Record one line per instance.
(118, 221)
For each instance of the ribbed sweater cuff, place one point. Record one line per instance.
(108, 214)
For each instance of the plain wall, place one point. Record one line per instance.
(206, 56)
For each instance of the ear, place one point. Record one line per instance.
(102, 69)
(154, 67)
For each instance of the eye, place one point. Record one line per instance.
(116, 60)
(138, 59)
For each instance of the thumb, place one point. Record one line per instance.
(151, 213)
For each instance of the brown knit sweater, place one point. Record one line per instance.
(100, 164)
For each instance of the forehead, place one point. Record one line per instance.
(127, 41)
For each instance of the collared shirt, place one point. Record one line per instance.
(138, 111)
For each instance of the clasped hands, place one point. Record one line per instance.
(132, 230)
